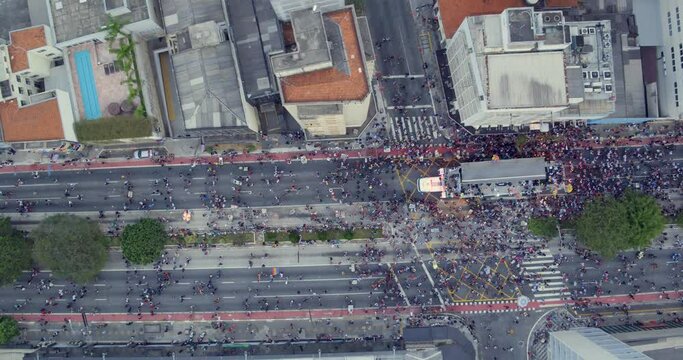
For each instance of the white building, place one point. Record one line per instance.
(659, 26)
(523, 67)
(588, 344)
(29, 111)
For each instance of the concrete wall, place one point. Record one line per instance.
(284, 7)
(355, 113)
(64, 103)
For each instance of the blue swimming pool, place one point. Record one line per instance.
(86, 81)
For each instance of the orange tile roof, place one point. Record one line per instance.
(21, 41)
(453, 12)
(36, 122)
(332, 84)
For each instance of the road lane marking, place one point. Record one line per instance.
(314, 280)
(33, 185)
(311, 294)
(227, 282)
(228, 297)
(100, 285)
(20, 300)
(183, 283)
(198, 178)
(100, 299)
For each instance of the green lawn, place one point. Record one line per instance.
(329, 235)
(119, 127)
(238, 239)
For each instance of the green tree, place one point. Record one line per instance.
(9, 329)
(543, 226)
(603, 226)
(70, 246)
(609, 225)
(15, 252)
(645, 218)
(142, 243)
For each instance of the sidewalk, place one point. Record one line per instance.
(90, 164)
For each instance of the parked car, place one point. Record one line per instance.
(144, 154)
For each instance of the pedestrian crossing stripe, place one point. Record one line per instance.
(407, 128)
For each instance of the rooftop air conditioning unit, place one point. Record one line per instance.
(591, 30)
(557, 18)
(607, 74)
(609, 89)
(584, 31)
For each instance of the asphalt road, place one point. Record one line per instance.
(623, 277)
(292, 288)
(193, 187)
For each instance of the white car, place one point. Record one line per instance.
(144, 154)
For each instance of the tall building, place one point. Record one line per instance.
(527, 68)
(589, 344)
(325, 80)
(660, 29)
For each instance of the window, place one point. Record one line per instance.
(29, 93)
(18, 78)
(678, 19)
(21, 90)
(23, 103)
(673, 59)
(41, 51)
(28, 81)
(51, 55)
(676, 93)
(668, 17)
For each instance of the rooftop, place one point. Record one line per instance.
(526, 80)
(76, 18)
(208, 87)
(453, 12)
(40, 121)
(14, 14)
(257, 34)
(504, 170)
(346, 80)
(22, 41)
(312, 52)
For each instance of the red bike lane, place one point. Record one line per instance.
(465, 308)
(92, 164)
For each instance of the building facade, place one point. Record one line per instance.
(660, 26)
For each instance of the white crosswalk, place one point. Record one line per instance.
(544, 277)
(412, 128)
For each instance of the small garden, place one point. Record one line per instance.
(119, 127)
(293, 237)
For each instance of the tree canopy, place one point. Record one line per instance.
(15, 252)
(70, 246)
(543, 226)
(142, 243)
(9, 329)
(608, 225)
